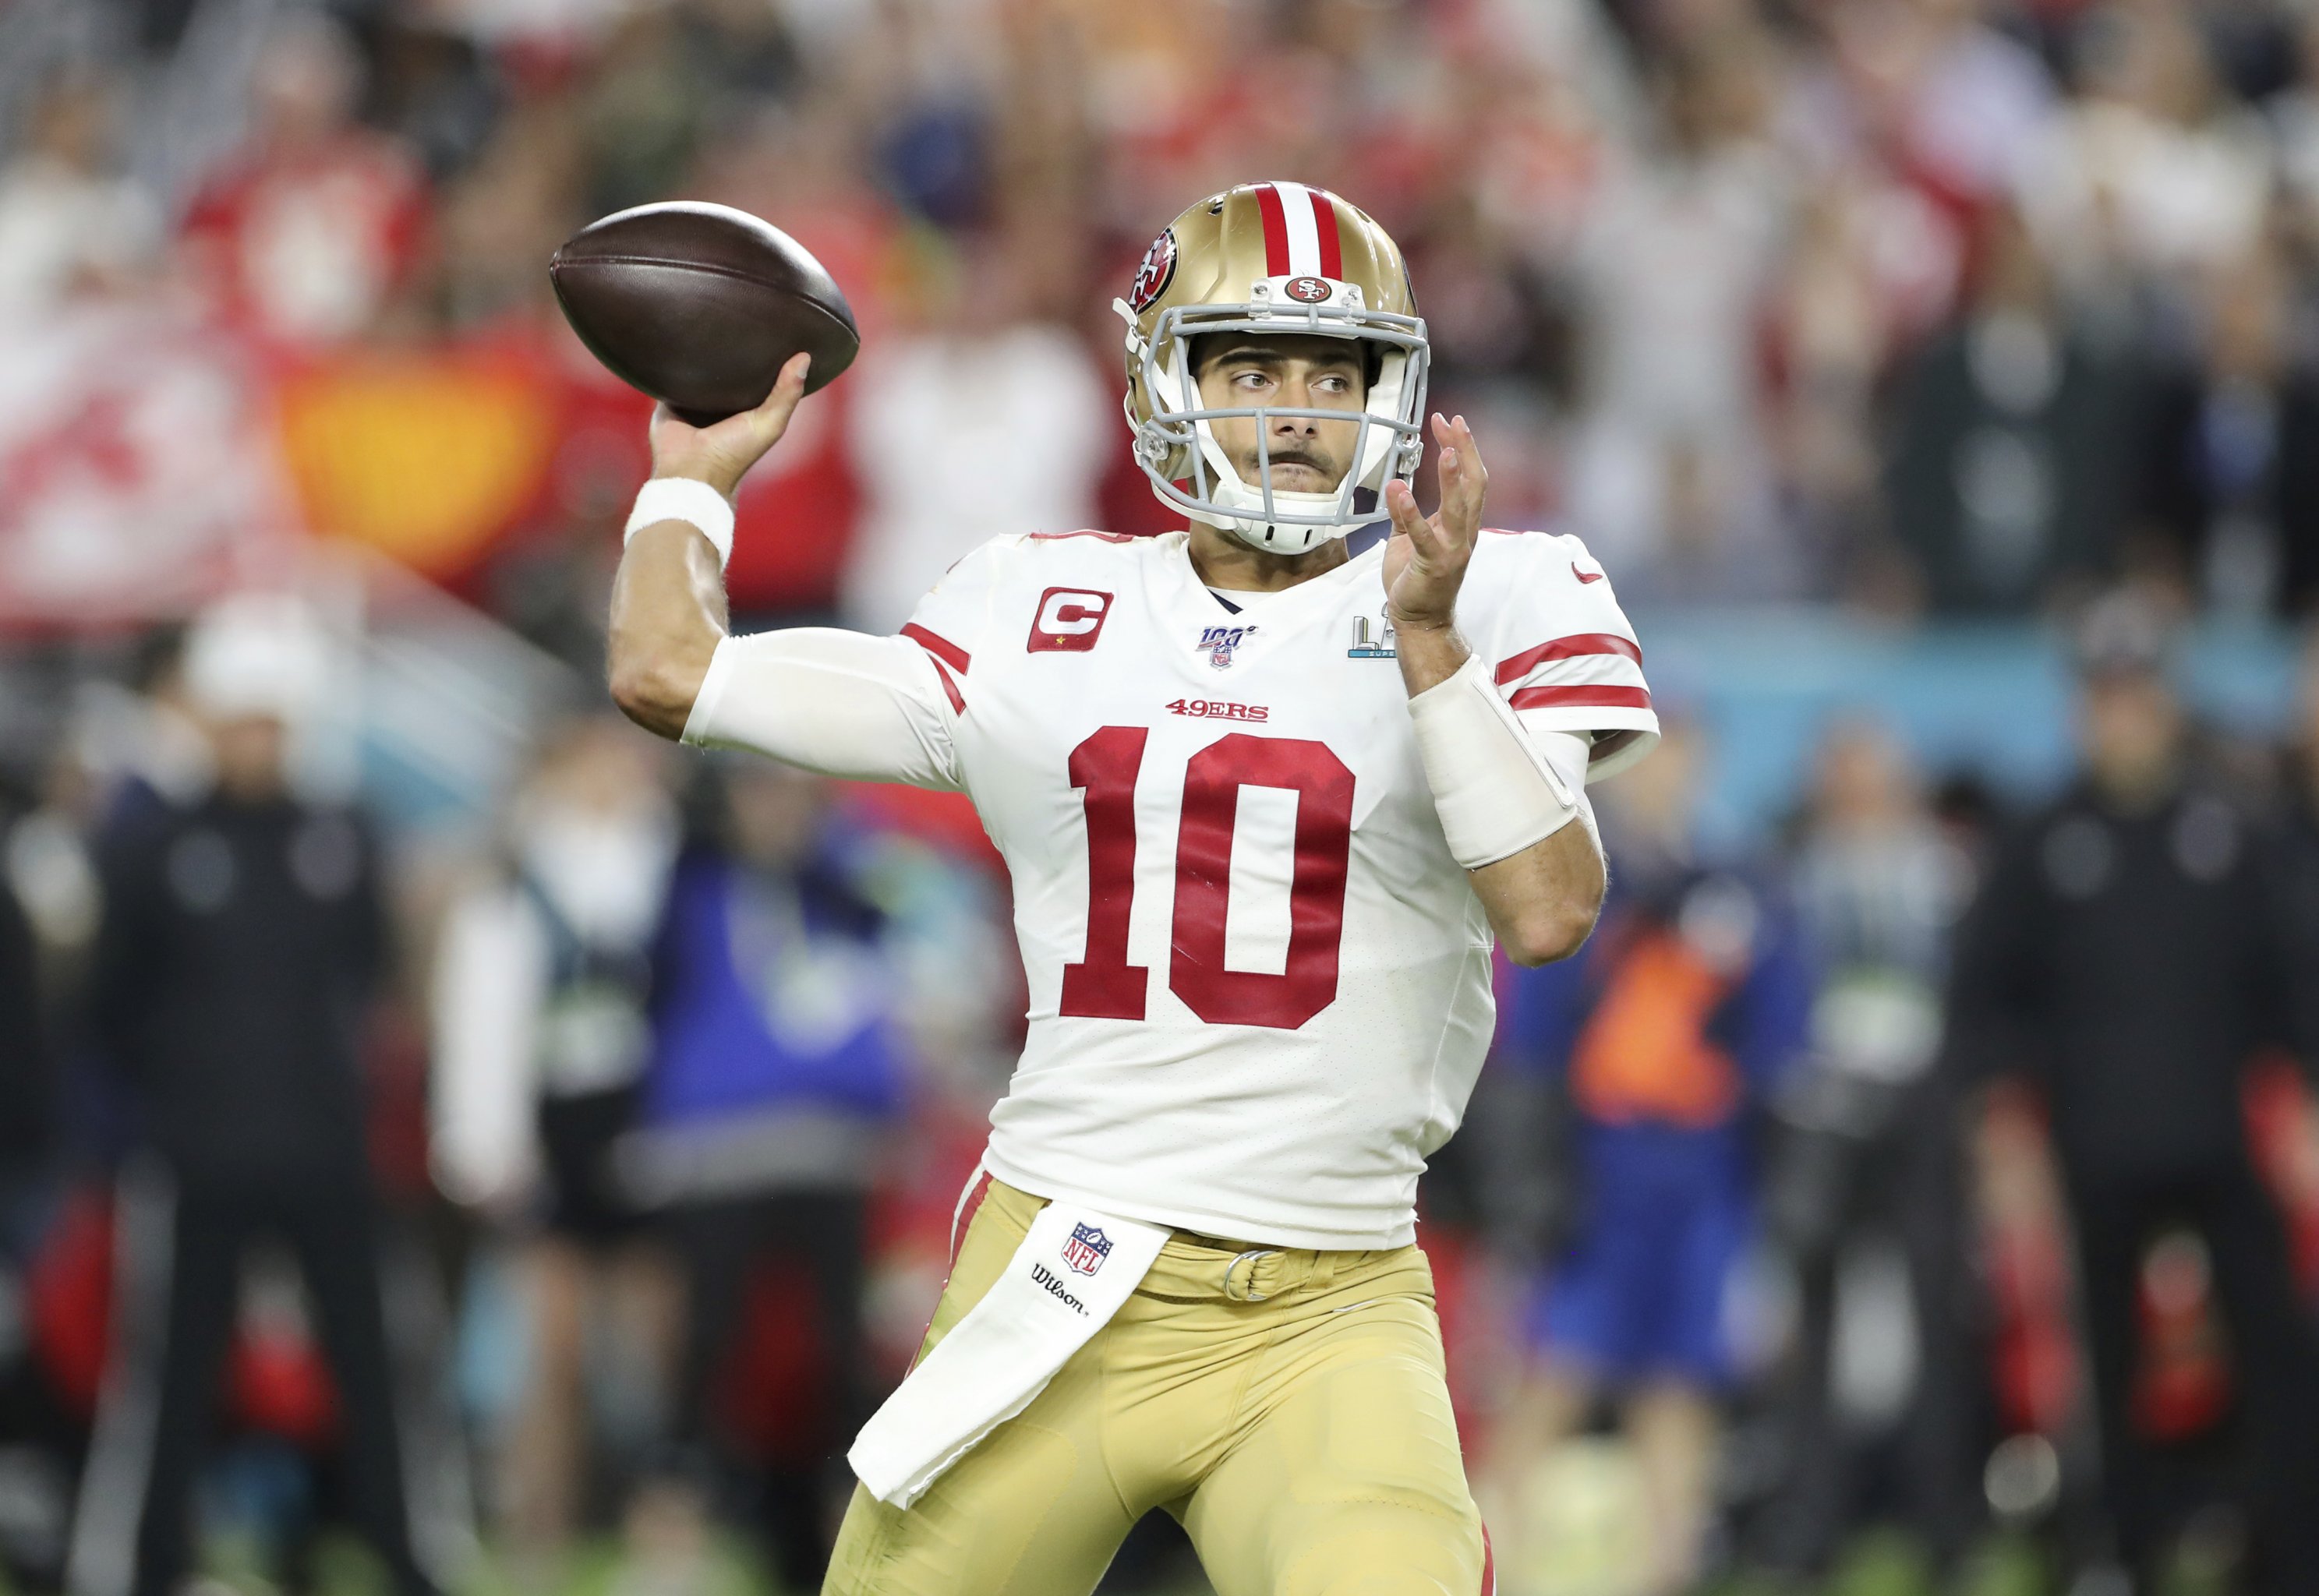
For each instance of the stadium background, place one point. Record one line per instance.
(1865, 341)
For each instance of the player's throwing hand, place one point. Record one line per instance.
(1425, 559)
(721, 454)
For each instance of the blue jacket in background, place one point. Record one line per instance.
(771, 993)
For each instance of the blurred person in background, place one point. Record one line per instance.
(242, 947)
(2153, 171)
(1666, 1034)
(27, 1092)
(31, 1483)
(2229, 486)
(1005, 419)
(2122, 955)
(68, 218)
(1671, 479)
(1944, 93)
(147, 749)
(1863, 1191)
(776, 1078)
(542, 985)
(304, 237)
(2002, 475)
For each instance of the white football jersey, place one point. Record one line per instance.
(1259, 985)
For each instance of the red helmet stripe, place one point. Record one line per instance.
(1324, 220)
(1276, 231)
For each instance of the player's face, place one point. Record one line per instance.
(1308, 454)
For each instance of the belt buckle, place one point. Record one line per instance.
(1247, 1293)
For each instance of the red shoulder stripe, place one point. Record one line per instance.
(1564, 648)
(942, 648)
(1586, 695)
(949, 686)
(1086, 532)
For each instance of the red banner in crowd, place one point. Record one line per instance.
(138, 476)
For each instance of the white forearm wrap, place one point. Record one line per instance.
(686, 500)
(1496, 792)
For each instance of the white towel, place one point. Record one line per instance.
(1073, 1271)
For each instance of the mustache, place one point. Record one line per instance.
(1292, 457)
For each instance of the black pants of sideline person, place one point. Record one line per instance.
(2274, 1355)
(720, 1246)
(182, 1246)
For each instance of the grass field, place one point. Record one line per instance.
(1878, 1563)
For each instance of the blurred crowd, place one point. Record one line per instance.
(1915, 305)
(569, 1184)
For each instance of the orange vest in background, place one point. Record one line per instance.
(1644, 1053)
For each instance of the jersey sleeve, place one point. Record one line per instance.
(1566, 657)
(851, 705)
(839, 703)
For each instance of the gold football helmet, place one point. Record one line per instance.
(1271, 257)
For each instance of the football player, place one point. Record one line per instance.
(1267, 787)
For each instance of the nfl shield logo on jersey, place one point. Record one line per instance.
(1220, 642)
(1086, 1249)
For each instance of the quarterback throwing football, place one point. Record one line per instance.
(1268, 788)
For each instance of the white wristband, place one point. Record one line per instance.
(688, 499)
(1495, 793)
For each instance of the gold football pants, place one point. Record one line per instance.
(1289, 1409)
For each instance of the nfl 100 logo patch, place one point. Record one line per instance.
(1220, 640)
(1086, 1249)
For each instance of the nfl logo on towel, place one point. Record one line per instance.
(1086, 1249)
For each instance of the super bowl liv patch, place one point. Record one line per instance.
(1369, 645)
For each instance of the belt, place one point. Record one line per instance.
(1193, 1269)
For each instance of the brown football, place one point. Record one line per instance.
(701, 305)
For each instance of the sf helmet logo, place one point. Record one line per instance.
(1068, 620)
(1158, 270)
(1307, 290)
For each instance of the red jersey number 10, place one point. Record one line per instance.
(1105, 986)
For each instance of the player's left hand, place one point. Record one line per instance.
(1425, 558)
